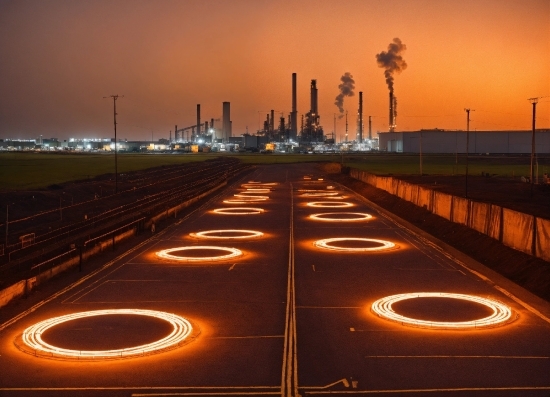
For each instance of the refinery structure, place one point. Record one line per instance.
(305, 134)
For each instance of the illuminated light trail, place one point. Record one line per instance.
(227, 234)
(319, 194)
(329, 204)
(32, 336)
(238, 211)
(167, 253)
(337, 217)
(501, 313)
(327, 244)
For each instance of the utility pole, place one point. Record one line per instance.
(115, 97)
(467, 144)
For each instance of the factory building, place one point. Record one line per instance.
(479, 142)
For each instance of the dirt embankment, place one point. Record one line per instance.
(531, 273)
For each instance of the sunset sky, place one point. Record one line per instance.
(58, 59)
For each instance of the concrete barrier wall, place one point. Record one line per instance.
(442, 205)
(517, 230)
(522, 232)
(543, 239)
(460, 208)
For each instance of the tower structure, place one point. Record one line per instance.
(312, 132)
(226, 121)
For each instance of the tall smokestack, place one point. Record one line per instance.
(360, 116)
(313, 98)
(272, 121)
(391, 112)
(226, 122)
(198, 119)
(294, 114)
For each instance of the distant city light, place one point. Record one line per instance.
(500, 312)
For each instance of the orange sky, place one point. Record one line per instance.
(59, 58)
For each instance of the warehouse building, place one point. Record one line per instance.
(479, 142)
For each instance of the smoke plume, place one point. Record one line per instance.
(392, 61)
(346, 89)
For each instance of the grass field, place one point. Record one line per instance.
(20, 171)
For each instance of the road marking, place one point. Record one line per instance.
(496, 357)
(313, 267)
(464, 389)
(232, 266)
(252, 393)
(247, 337)
(289, 376)
(329, 307)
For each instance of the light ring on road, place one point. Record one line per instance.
(337, 217)
(167, 253)
(32, 336)
(319, 194)
(250, 196)
(327, 244)
(229, 234)
(329, 204)
(500, 312)
(238, 211)
(243, 200)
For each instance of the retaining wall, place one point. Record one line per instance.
(525, 233)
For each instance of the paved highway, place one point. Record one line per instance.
(284, 316)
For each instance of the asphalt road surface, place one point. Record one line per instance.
(284, 316)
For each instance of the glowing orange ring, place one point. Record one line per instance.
(360, 217)
(165, 254)
(244, 234)
(249, 196)
(254, 191)
(329, 204)
(238, 211)
(319, 194)
(32, 336)
(242, 200)
(501, 313)
(325, 244)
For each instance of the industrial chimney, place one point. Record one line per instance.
(314, 97)
(226, 122)
(198, 119)
(360, 116)
(294, 114)
(392, 129)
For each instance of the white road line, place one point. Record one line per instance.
(289, 376)
(458, 389)
(495, 357)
